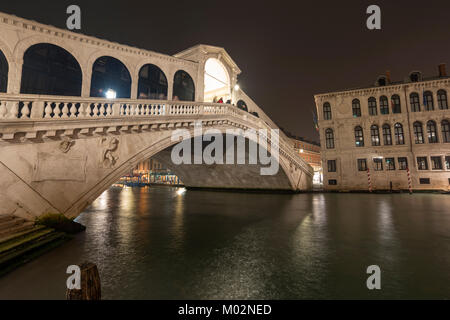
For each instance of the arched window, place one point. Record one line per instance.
(152, 83)
(384, 105)
(373, 106)
(415, 76)
(445, 131)
(327, 111)
(442, 99)
(50, 70)
(242, 105)
(356, 107)
(432, 132)
(399, 135)
(183, 87)
(110, 74)
(387, 135)
(382, 81)
(428, 100)
(415, 102)
(4, 69)
(359, 137)
(396, 106)
(418, 133)
(329, 137)
(375, 135)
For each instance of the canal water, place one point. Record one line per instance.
(164, 243)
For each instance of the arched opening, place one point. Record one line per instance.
(217, 81)
(50, 70)
(329, 137)
(152, 83)
(183, 87)
(4, 69)
(242, 105)
(110, 75)
(327, 115)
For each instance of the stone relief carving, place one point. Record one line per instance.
(109, 156)
(66, 145)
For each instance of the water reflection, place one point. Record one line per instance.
(168, 243)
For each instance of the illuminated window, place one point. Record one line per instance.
(327, 111)
(428, 100)
(415, 102)
(422, 163)
(399, 136)
(356, 107)
(331, 165)
(396, 106)
(375, 135)
(436, 163)
(390, 164)
(329, 137)
(373, 106)
(359, 137)
(378, 164)
(384, 105)
(387, 136)
(445, 131)
(432, 132)
(402, 163)
(418, 133)
(362, 165)
(442, 99)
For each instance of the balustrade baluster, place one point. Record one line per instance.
(25, 109)
(57, 110)
(3, 110)
(14, 112)
(73, 110)
(48, 110)
(102, 110)
(109, 110)
(65, 111)
(95, 110)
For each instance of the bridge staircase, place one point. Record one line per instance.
(21, 241)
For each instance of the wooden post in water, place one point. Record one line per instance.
(90, 284)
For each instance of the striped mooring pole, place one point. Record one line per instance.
(409, 180)
(369, 180)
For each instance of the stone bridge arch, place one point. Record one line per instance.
(65, 168)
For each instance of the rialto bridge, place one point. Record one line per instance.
(77, 112)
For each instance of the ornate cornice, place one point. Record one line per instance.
(48, 30)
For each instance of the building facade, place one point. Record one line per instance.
(391, 136)
(310, 152)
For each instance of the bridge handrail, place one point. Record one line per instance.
(24, 107)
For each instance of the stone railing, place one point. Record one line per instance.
(23, 107)
(29, 108)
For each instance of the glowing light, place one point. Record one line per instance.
(216, 76)
(181, 191)
(110, 94)
(302, 151)
(236, 87)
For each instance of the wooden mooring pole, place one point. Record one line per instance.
(90, 284)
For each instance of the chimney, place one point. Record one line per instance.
(442, 71)
(388, 77)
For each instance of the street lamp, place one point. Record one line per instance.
(110, 94)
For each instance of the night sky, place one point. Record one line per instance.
(288, 51)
